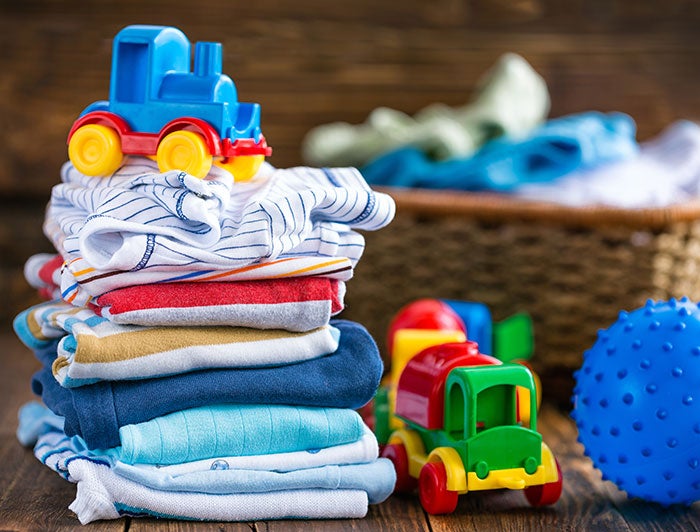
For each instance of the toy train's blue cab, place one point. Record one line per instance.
(154, 93)
(152, 84)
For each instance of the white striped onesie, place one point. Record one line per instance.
(139, 219)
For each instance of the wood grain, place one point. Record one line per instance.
(151, 524)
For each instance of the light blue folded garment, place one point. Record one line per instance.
(557, 148)
(56, 450)
(34, 420)
(233, 430)
(376, 478)
(212, 431)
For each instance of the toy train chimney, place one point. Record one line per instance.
(207, 59)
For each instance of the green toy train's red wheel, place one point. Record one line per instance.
(396, 452)
(545, 494)
(432, 489)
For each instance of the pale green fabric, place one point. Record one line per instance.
(511, 98)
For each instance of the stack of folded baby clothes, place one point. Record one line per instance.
(191, 365)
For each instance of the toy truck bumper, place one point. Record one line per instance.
(245, 147)
(517, 478)
(514, 479)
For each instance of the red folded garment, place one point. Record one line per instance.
(293, 304)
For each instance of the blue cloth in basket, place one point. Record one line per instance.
(555, 149)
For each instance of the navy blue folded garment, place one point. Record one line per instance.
(553, 150)
(347, 378)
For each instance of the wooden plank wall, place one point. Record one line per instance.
(310, 62)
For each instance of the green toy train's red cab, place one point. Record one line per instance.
(462, 429)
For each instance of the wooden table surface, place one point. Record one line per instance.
(32, 497)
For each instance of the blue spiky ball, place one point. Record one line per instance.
(637, 402)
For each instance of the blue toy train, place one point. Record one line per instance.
(159, 107)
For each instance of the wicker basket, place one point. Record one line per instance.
(571, 269)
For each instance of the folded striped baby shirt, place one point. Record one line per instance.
(90, 348)
(138, 217)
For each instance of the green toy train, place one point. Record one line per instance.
(454, 420)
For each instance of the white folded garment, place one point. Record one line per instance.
(666, 171)
(138, 217)
(101, 494)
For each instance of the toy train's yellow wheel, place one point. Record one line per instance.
(244, 167)
(95, 150)
(186, 151)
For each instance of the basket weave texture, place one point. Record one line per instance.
(571, 269)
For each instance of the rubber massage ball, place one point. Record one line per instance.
(637, 402)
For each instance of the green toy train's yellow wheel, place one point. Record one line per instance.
(186, 151)
(95, 150)
(243, 167)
